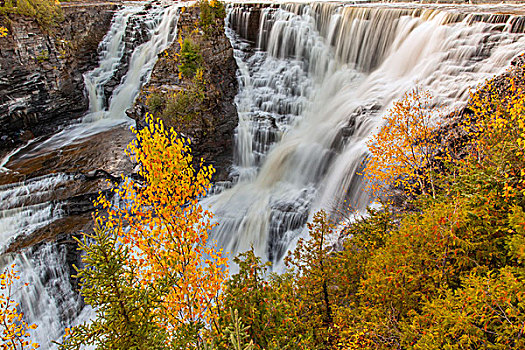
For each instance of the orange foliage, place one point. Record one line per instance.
(400, 154)
(15, 335)
(166, 227)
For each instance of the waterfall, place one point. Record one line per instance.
(315, 83)
(28, 205)
(112, 50)
(161, 24)
(143, 60)
(50, 300)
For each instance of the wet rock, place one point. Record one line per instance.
(87, 168)
(248, 29)
(41, 82)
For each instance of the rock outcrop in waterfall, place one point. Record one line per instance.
(208, 117)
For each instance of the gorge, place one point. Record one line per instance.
(314, 82)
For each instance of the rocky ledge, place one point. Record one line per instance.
(41, 70)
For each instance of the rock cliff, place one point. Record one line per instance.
(214, 116)
(41, 82)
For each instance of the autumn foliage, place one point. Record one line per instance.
(167, 259)
(401, 152)
(47, 13)
(162, 219)
(448, 274)
(15, 331)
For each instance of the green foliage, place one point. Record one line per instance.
(46, 12)
(487, 312)
(180, 107)
(183, 106)
(124, 311)
(190, 57)
(313, 275)
(237, 333)
(268, 304)
(448, 276)
(43, 56)
(156, 102)
(149, 273)
(211, 16)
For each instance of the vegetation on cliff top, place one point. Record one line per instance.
(184, 106)
(46, 12)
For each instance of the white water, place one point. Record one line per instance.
(49, 300)
(161, 23)
(112, 49)
(27, 206)
(316, 91)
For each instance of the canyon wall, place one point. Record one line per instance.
(41, 83)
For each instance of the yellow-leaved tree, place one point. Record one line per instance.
(160, 247)
(401, 152)
(161, 218)
(497, 130)
(14, 330)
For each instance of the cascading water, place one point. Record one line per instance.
(161, 24)
(316, 88)
(50, 300)
(113, 49)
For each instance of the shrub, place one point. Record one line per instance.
(401, 153)
(186, 105)
(210, 14)
(14, 330)
(190, 57)
(156, 102)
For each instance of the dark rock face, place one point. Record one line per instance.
(41, 82)
(212, 132)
